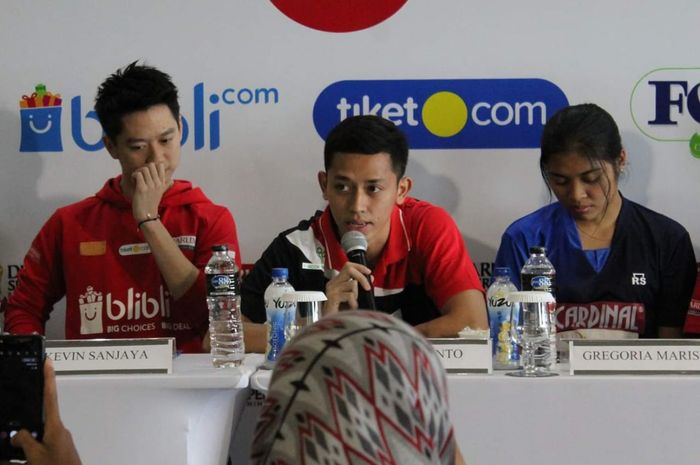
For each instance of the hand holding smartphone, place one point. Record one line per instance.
(21, 390)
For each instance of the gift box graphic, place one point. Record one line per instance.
(40, 115)
(90, 305)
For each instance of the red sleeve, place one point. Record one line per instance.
(40, 282)
(192, 306)
(692, 320)
(448, 268)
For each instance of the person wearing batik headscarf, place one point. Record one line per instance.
(356, 387)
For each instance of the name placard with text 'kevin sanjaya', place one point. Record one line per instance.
(110, 356)
(464, 355)
(634, 356)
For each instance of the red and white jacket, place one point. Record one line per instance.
(92, 253)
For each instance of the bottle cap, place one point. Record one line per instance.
(538, 249)
(501, 271)
(219, 248)
(304, 296)
(280, 273)
(534, 297)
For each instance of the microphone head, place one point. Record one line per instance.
(353, 240)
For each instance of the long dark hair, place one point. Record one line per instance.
(586, 130)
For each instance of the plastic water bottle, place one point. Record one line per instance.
(504, 350)
(279, 312)
(538, 274)
(224, 303)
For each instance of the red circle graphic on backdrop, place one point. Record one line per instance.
(338, 15)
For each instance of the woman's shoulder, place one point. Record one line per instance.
(542, 218)
(639, 216)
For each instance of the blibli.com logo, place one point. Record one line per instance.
(665, 106)
(448, 113)
(40, 115)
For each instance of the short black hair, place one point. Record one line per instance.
(369, 135)
(133, 88)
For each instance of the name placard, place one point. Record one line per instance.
(464, 355)
(110, 356)
(638, 356)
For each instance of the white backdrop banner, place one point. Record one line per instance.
(471, 84)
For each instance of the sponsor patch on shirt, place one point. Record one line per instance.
(312, 266)
(134, 249)
(93, 248)
(694, 308)
(186, 242)
(625, 316)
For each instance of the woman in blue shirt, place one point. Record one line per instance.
(622, 270)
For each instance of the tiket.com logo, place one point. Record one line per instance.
(448, 113)
(40, 115)
(665, 106)
(41, 124)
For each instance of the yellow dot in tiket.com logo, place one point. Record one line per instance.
(444, 114)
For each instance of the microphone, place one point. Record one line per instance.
(355, 245)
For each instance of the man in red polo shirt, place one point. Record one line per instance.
(418, 265)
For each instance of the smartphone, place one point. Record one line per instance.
(21, 390)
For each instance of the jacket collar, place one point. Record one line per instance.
(396, 248)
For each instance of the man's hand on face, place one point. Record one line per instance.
(342, 289)
(150, 183)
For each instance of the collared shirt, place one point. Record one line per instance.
(423, 264)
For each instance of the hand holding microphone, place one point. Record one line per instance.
(353, 280)
(355, 245)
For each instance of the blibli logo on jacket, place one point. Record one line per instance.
(447, 113)
(90, 311)
(97, 310)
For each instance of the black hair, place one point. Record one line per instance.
(133, 88)
(584, 129)
(368, 134)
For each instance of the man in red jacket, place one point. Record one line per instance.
(130, 259)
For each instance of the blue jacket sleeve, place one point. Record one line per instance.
(512, 254)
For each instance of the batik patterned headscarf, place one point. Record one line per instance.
(356, 388)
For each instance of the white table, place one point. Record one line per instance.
(582, 420)
(576, 420)
(182, 418)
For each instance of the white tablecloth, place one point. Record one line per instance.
(565, 420)
(182, 418)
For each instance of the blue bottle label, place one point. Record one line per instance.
(275, 333)
(222, 284)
